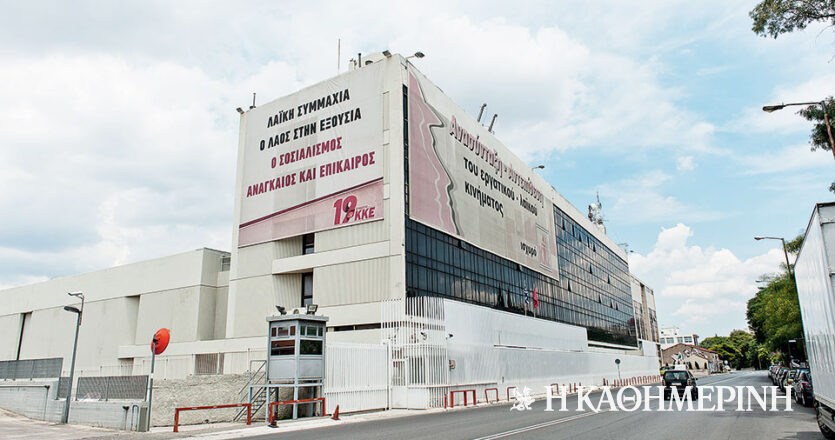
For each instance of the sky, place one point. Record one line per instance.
(118, 129)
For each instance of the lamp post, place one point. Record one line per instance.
(785, 252)
(79, 312)
(772, 108)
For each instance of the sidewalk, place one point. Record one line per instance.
(17, 427)
(14, 426)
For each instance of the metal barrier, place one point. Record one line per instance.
(508, 392)
(31, 368)
(111, 387)
(193, 408)
(286, 402)
(452, 397)
(487, 399)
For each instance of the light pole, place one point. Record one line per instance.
(772, 108)
(785, 251)
(66, 415)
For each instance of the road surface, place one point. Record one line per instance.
(499, 422)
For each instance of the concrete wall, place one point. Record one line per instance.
(124, 306)
(196, 391)
(37, 400)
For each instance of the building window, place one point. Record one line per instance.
(309, 346)
(283, 348)
(307, 289)
(307, 243)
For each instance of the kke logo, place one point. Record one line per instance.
(523, 400)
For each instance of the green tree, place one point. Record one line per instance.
(793, 246)
(776, 17)
(774, 313)
(821, 136)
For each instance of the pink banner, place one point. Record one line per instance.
(356, 205)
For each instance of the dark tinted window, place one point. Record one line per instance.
(308, 346)
(307, 244)
(307, 288)
(283, 348)
(681, 376)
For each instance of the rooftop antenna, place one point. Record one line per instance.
(596, 214)
(492, 121)
(338, 53)
(359, 59)
(481, 112)
(253, 101)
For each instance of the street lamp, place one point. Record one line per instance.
(785, 251)
(66, 415)
(773, 108)
(538, 167)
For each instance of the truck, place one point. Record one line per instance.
(816, 294)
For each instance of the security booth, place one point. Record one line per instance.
(296, 360)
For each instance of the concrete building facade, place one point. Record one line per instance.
(367, 194)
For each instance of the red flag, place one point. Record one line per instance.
(535, 298)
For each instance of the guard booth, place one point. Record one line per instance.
(296, 361)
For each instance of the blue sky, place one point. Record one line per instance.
(118, 130)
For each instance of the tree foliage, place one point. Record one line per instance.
(793, 246)
(774, 313)
(739, 348)
(776, 17)
(820, 134)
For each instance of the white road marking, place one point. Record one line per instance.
(538, 426)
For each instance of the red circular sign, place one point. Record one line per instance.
(161, 337)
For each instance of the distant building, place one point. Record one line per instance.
(643, 306)
(671, 336)
(695, 358)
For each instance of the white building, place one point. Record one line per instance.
(406, 221)
(672, 335)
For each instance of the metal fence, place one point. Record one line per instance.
(31, 368)
(107, 387)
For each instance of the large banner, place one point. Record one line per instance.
(312, 160)
(464, 182)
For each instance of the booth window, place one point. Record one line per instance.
(283, 348)
(307, 288)
(307, 244)
(309, 346)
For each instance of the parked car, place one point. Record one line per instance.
(777, 375)
(772, 372)
(787, 381)
(677, 381)
(803, 391)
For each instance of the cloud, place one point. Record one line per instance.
(698, 285)
(793, 158)
(643, 198)
(686, 163)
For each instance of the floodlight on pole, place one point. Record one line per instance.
(417, 54)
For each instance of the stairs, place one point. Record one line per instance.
(257, 378)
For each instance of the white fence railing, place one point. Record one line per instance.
(356, 377)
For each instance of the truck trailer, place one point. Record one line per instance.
(815, 291)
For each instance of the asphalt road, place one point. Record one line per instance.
(499, 422)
